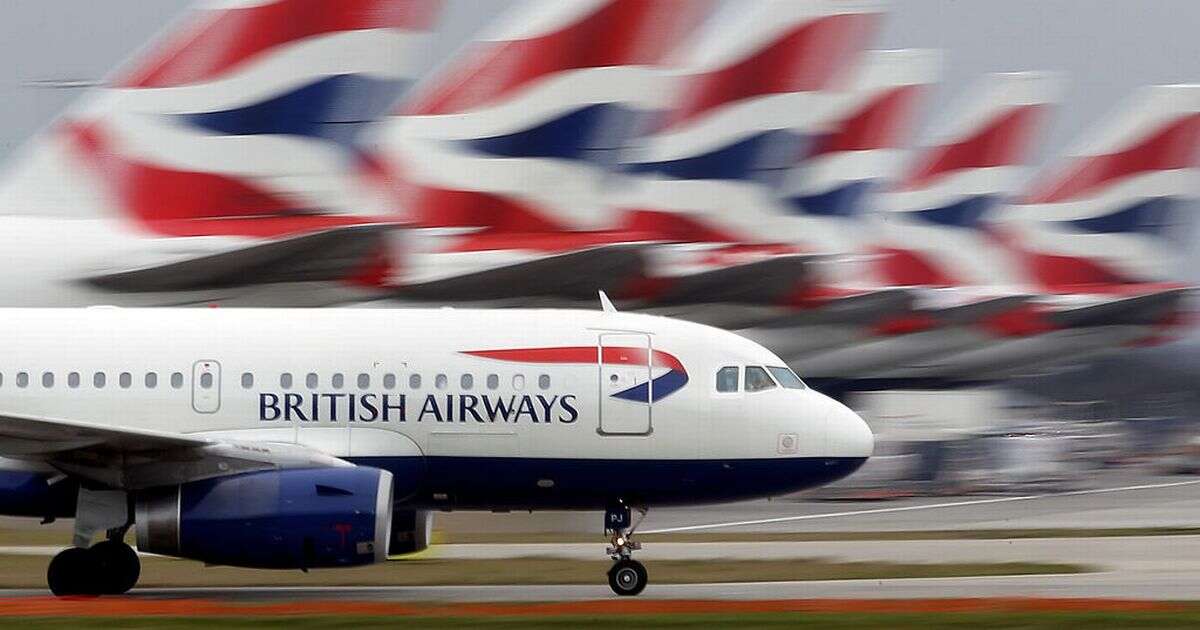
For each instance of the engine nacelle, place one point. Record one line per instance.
(279, 519)
(412, 531)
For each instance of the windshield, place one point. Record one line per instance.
(787, 378)
(757, 379)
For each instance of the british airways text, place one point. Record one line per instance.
(371, 407)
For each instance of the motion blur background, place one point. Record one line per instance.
(1136, 408)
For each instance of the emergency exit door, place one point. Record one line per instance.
(625, 384)
(206, 386)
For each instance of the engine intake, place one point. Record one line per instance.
(280, 519)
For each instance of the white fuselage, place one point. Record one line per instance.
(562, 403)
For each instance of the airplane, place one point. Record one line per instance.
(1096, 240)
(324, 438)
(219, 164)
(519, 176)
(920, 230)
(823, 200)
(498, 159)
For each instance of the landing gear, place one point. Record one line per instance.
(627, 577)
(107, 568)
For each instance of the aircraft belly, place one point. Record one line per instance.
(527, 483)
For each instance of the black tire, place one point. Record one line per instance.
(116, 567)
(627, 578)
(71, 573)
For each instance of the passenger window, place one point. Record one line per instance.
(544, 382)
(414, 381)
(467, 382)
(151, 380)
(364, 381)
(757, 379)
(727, 380)
(311, 381)
(125, 379)
(98, 380)
(22, 379)
(247, 380)
(177, 380)
(440, 381)
(493, 381)
(206, 380)
(518, 382)
(73, 380)
(787, 378)
(47, 379)
(389, 381)
(338, 381)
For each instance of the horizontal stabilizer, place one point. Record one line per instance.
(578, 274)
(1142, 310)
(328, 255)
(766, 281)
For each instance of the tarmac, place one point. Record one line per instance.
(1125, 567)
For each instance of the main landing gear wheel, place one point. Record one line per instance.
(116, 566)
(627, 577)
(107, 568)
(70, 572)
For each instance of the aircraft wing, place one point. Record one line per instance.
(127, 458)
(326, 255)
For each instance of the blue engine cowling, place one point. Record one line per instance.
(279, 519)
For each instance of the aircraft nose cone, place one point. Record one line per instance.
(849, 435)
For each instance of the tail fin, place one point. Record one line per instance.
(1103, 218)
(241, 120)
(513, 133)
(752, 91)
(932, 223)
(861, 150)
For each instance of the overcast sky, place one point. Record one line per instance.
(1106, 47)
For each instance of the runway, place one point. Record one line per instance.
(1136, 567)
(1161, 568)
(1111, 585)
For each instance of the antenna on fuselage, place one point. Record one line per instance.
(606, 304)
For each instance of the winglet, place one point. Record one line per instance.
(606, 304)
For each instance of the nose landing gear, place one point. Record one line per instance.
(627, 577)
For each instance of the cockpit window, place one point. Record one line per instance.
(727, 380)
(787, 378)
(757, 379)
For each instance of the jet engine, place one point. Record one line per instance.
(279, 519)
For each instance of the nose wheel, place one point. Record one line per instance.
(627, 577)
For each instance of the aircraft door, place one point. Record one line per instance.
(625, 382)
(206, 386)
